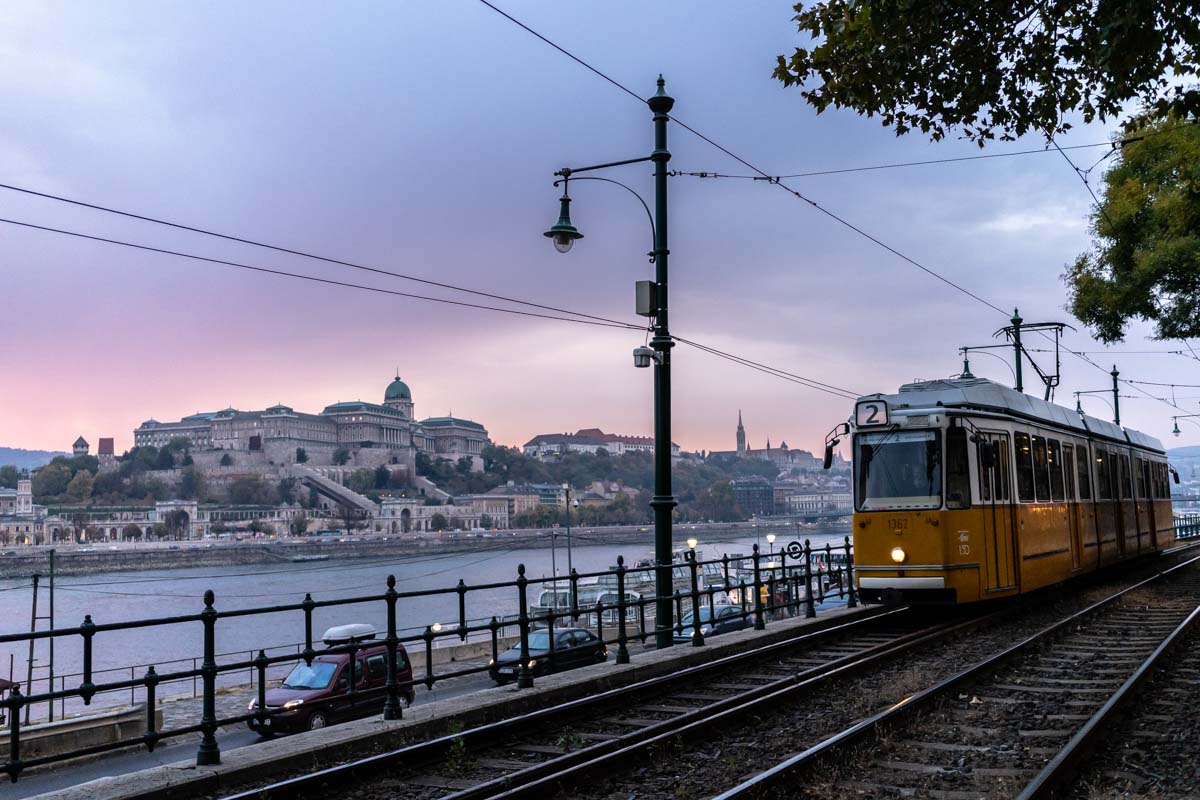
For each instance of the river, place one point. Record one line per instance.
(129, 596)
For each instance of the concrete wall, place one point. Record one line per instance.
(74, 733)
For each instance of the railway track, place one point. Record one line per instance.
(577, 748)
(517, 755)
(1016, 724)
(1152, 751)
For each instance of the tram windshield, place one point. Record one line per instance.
(898, 470)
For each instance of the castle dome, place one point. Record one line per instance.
(397, 390)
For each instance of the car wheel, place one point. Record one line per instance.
(317, 720)
(500, 680)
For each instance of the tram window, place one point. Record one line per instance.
(1085, 484)
(898, 470)
(1126, 479)
(1054, 461)
(1002, 473)
(1141, 478)
(958, 470)
(1024, 457)
(1068, 469)
(1103, 478)
(1041, 473)
(985, 474)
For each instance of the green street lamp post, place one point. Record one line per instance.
(652, 303)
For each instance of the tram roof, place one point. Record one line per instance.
(984, 394)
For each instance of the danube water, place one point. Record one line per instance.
(127, 596)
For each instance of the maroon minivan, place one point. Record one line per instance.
(318, 694)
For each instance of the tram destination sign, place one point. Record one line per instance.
(869, 413)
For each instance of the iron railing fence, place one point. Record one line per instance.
(186, 686)
(1187, 526)
(796, 580)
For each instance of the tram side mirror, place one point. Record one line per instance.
(828, 462)
(1175, 475)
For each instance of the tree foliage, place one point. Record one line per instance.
(995, 68)
(1145, 258)
(9, 476)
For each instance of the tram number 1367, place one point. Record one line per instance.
(870, 413)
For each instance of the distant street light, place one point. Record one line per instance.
(692, 542)
(771, 541)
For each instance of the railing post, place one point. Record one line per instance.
(697, 636)
(622, 648)
(429, 679)
(599, 622)
(772, 605)
(309, 653)
(87, 689)
(810, 610)
(209, 752)
(524, 674)
(151, 735)
(392, 709)
(759, 623)
(462, 610)
(494, 627)
(574, 596)
(642, 634)
(15, 701)
(725, 571)
(677, 623)
(851, 600)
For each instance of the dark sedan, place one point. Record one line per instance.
(718, 619)
(572, 648)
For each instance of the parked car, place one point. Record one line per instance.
(573, 647)
(318, 694)
(718, 619)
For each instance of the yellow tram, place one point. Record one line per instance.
(966, 490)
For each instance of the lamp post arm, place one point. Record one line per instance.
(567, 172)
(650, 216)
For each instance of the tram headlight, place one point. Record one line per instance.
(898, 555)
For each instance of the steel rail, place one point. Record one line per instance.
(423, 753)
(1064, 766)
(543, 780)
(787, 770)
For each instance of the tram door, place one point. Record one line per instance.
(999, 522)
(1073, 521)
(1148, 487)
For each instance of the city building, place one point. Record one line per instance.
(371, 434)
(590, 440)
(755, 495)
(20, 519)
(782, 457)
(801, 503)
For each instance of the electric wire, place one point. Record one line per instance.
(774, 181)
(809, 382)
(314, 278)
(302, 253)
(600, 322)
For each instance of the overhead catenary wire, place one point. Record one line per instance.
(304, 254)
(775, 181)
(601, 322)
(315, 278)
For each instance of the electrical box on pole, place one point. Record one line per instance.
(647, 298)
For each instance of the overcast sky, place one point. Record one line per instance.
(422, 137)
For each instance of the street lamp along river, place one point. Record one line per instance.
(652, 302)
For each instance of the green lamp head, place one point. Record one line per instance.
(563, 233)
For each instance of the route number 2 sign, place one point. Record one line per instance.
(870, 413)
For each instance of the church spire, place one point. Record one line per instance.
(741, 435)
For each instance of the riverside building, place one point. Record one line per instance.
(369, 434)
